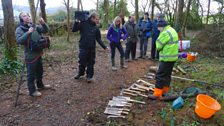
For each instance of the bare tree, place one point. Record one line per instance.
(67, 5)
(209, 3)
(97, 5)
(79, 4)
(43, 11)
(202, 11)
(115, 3)
(9, 27)
(186, 17)
(106, 11)
(144, 5)
(152, 11)
(32, 10)
(179, 16)
(136, 10)
(135, 5)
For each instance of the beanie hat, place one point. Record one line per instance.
(161, 23)
(159, 15)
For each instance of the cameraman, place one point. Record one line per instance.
(26, 34)
(90, 33)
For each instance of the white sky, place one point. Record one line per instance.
(90, 4)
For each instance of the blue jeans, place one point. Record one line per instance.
(143, 45)
(113, 47)
(87, 59)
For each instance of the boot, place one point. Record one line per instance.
(78, 76)
(122, 63)
(113, 65)
(165, 90)
(36, 94)
(157, 94)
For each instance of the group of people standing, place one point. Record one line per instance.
(165, 43)
(131, 32)
(164, 46)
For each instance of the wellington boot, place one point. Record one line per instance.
(165, 89)
(122, 63)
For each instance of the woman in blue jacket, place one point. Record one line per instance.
(115, 33)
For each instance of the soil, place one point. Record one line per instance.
(77, 103)
(74, 102)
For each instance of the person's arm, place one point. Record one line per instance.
(99, 40)
(149, 26)
(109, 34)
(21, 37)
(139, 25)
(76, 26)
(125, 33)
(162, 40)
(43, 28)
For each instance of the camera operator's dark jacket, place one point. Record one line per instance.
(22, 38)
(90, 33)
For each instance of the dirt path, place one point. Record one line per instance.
(73, 101)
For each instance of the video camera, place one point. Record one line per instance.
(81, 15)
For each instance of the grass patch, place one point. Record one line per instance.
(208, 70)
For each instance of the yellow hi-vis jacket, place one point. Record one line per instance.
(167, 45)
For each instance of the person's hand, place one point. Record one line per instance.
(41, 20)
(107, 49)
(31, 29)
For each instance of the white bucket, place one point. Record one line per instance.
(185, 44)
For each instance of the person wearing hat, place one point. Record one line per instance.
(26, 35)
(155, 35)
(167, 45)
(144, 26)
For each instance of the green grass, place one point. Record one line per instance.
(210, 70)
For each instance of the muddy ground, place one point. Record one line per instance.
(77, 103)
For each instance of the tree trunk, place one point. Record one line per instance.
(32, 10)
(68, 20)
(185, 20)
(78, 5)
(153, 5)
(179, 18)
(43, 11)
(121, 7)
(106, 12)
(209, 2)
(115, 3)
(202, 10)
(136, 10)
(9, 28)
(97, 6)
(67, 5)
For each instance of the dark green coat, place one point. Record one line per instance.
(132, 32)
(22, 37)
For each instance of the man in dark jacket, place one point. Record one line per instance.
(90, 33)
(26, 35)
(155, 35)
(132, 39)
(144, 34)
